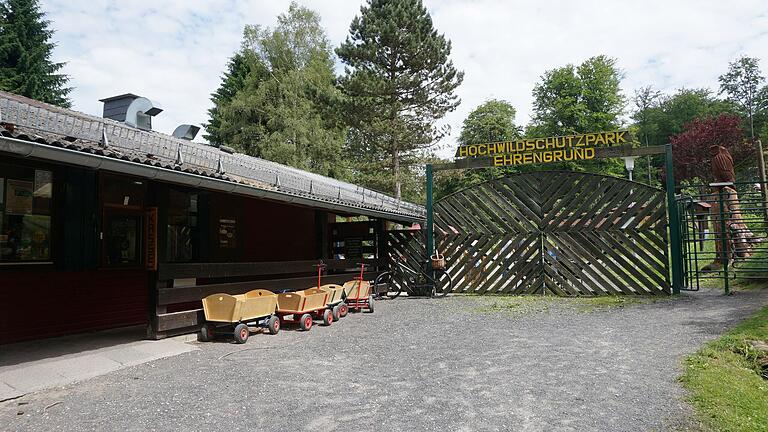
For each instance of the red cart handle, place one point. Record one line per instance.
(320, 267)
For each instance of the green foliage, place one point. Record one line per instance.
(742, 85)
(286, 110)
(659, 117)
(398, 82)
(494, 120)
(25, 54)
(580, 99)
(232, 82)
(724, 379)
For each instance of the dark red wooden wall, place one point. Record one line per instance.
(39, 304)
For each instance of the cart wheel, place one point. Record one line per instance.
(273, 325)
(206, 333)
(327, 317)
(241, 333)
(305, 322)
(343, 309)
(370, 303)
(336, 312)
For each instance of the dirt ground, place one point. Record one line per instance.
(460, 363)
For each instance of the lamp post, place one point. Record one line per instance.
(629, 164)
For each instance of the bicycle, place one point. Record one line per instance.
(403, 278)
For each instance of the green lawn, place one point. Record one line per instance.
(725, 380)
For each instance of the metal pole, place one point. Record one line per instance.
(674, 223)
(430, 214)
(723, 241)
(761, 169)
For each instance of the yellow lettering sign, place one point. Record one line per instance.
(548, 143)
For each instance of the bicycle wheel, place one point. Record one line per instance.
(384, 284)
(443, 283)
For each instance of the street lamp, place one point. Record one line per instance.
(629, 164)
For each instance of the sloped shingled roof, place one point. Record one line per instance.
(43, 124)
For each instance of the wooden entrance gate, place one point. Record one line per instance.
(555, 232)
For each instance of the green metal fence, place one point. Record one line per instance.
(724, 234)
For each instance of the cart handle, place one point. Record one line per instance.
(320, 267)
(362, 268)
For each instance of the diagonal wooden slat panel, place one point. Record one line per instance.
(564, 233)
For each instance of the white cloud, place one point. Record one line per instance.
(175, 51)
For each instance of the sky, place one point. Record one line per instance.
(174, 51)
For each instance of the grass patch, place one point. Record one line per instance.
(513, 304)
(725, 380)
(537, 303)
(589, 304)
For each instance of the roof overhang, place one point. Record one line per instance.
(34, 150)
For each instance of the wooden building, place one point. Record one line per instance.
(104, 224)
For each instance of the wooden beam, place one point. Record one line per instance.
(167, 271)
(186, 294)
(179, 320)
(600, 153)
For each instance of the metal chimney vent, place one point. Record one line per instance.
(133, 110)
(186, 132)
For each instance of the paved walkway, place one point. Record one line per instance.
(416, 364)
(36, 365)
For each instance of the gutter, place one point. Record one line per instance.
(27, 149)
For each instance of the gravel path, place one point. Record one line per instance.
(417, 364)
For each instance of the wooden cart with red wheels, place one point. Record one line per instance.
(239, 314)
(336, 303)
(303, 307)
(335, 300)
(358, 294)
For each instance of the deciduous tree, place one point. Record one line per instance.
(493, 120)
(691, 147)
(742, 85)
(579, 99)
(287, 111)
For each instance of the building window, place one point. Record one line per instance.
(25, 214)
(122, 233)
(182, 233)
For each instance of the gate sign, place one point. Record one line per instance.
(544, 150)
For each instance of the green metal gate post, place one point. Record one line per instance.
(430, 215)
(674, 224)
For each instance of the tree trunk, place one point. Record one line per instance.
(396, 171)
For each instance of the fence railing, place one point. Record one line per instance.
(195, 155)
(724, 234)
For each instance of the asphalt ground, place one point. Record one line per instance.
(460, 363)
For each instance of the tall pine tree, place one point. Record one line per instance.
(232, 82)
(399, 82)
(25, 54)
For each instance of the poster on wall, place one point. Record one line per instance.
(19, 199)
(36, 238)
(227, 229)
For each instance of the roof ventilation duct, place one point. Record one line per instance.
(186, 132)
(133, 110)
